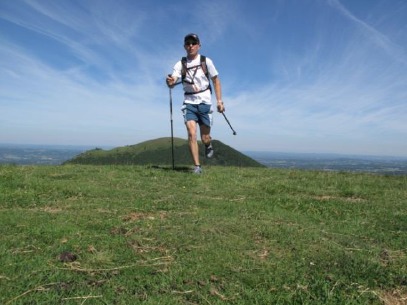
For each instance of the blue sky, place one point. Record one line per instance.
(297, 75)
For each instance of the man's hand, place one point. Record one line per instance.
(221, 107)
(170, 81)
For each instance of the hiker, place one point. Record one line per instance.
(196, 71)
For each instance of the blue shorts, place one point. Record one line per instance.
(201, 113)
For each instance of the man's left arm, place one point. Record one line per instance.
(218, 93)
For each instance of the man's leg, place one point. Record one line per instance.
(192, 141)
(205, 122)
(205, 134)
(206, 139)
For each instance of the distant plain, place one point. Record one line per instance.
(56, 155)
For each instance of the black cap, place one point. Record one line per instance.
(191, 37)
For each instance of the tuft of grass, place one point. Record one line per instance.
(79, 234)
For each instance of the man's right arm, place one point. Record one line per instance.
(171, 80)
(176, 74)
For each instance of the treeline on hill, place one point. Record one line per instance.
(159, 152)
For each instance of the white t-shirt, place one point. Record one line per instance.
(197, 77)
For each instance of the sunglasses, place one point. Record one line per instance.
(194, 43)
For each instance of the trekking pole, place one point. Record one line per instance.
(172, 131)
(172, 127)
(234, 132)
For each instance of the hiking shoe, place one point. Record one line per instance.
(198, 170)
(209, 151)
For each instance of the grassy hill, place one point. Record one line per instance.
(78, 234)
(159, 152)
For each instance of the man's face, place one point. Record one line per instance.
(192, 47)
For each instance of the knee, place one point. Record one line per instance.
(191, 135)
(206, 139)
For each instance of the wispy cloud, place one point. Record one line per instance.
(318, 78)
(377, 37)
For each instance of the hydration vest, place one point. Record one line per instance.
(185, 70)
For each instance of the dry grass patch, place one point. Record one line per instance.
(330, 197)
(393, 298)
(134, 216)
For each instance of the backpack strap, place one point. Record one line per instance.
(184, 68)
(204, 68)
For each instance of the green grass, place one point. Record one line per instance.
(229, 236)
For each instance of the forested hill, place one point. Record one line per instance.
(158, 152)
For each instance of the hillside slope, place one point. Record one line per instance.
(158, 152)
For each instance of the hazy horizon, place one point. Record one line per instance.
(106, 147)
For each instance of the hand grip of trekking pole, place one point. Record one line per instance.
(169, 86)
(174, 84)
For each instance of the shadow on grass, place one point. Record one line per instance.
(184, 169)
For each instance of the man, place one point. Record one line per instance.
(197, 96)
